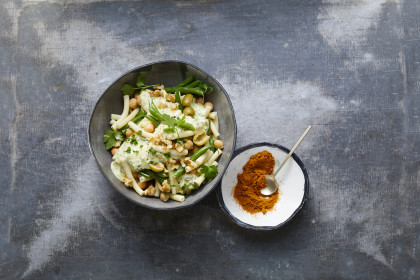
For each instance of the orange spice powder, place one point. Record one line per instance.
(247, 191)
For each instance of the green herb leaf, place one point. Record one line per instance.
(210, 172)
(152, 151)
(167, 155)
(127, 89)
(119, 136)
(128, 150)
(140, 81)
(109, 139)
(211, 144)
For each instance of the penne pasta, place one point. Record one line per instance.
(123, 121)
(216, 154)
(177, 197)
(126, 109)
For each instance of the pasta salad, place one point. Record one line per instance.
(165, 143)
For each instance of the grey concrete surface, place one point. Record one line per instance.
(349, 68)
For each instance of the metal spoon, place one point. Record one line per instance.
(270, 180)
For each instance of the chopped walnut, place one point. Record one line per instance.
(162, 106)
(150, 191)
(170, 97)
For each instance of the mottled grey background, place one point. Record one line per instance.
(349, 68)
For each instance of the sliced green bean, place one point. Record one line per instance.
(194, 84)
(186, 126)
(178, 100)
(187, 81)
(153, 120)
(179, 172)
(197, 154)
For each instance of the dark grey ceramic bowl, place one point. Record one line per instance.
(168, 73)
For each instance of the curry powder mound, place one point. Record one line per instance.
(247, 191)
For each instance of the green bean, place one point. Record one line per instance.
(155, 112)
(185, 90)
(144, 174)
(204, 87)
(186, 126)
(184, 83)
(197, 154)
(162, 174)
(178, 100)
(197, 91)
(187, 81)
(153, 120)
(154, 175)
(194, 84)
(179, 172)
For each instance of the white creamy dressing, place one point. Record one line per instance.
(138, 153)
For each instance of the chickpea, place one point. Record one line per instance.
(200, 100)
(133, 103)
(186, 101)
(173, 106)
(188, 145)
(209, 104)
(218, 144)
(129, 132)
(114, 151)
(149, 127)
(164, 196)
(189, 111)
(136, 95)
(138, 101)
(171, 97)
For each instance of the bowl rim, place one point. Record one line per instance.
(264, 228)
(215, 182)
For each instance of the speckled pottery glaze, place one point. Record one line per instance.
(168, 73)
(293, 183)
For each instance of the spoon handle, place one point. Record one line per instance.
(292, 150)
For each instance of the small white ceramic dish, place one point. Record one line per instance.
(293, 183)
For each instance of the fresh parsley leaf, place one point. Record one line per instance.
(133, 140)
(152, 151)
(210, 172)
(140, 81)
(168, 120)
(127, 89)
(128, 150)
(211, 144)
(109, 139)
(119, 136)
(167, 155)
(136, 152)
